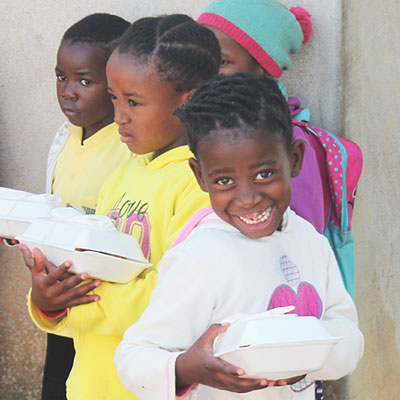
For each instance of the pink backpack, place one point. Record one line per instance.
(343, 162)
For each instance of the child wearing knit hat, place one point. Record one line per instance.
(259, 36)
(266, 29)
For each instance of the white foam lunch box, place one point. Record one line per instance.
(90, 242)
(274, 345)
(18, 209)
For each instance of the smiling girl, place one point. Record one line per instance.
(153, 69)
(249, 254)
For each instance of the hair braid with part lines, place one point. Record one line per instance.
(239, 105)
(182, 51)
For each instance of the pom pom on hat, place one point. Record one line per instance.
(304, 19)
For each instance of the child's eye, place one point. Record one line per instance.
(225, 62)
(112, 96)
(86, 82)
(133, 103)
(264, 175)
(224, 181)
(61, 78)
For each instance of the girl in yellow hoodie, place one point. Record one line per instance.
(151, 72)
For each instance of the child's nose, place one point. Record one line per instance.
(249, 196)
(69, 92)
(120, 116)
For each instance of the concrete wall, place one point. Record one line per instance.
(371, 111)
(29, 116)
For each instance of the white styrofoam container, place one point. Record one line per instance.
(90, 242)
(273, 346)
(18, 209)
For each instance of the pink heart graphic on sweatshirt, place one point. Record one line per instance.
(306, 300)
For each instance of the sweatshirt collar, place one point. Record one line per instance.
(106, 133)
(212, 221)
(296, 111)
(174, 156)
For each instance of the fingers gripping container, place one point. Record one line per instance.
(274, 345)
(18, 209)
(90, 242)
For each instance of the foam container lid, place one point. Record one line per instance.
(269, 328)
(67, 229)
(19, 208)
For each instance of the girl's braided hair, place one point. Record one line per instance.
(182, 51)
(241, 104)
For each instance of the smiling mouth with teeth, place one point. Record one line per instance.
(258, 218)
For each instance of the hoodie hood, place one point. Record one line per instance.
(296, 111)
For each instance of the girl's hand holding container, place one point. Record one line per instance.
(52, 289)
(198, 365)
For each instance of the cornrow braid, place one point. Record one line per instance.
(182, 51)
(238, 103)
(99, 28)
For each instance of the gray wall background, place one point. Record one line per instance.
(371, 101)
(348, 74)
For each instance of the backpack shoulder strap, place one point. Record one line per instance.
(196, 219)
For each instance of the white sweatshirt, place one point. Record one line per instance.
(217, 272)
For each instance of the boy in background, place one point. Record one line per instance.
(85, 150)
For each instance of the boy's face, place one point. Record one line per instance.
(234, 58)
(82, 85)
(144, 105)
(248, 180)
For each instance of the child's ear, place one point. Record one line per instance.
(196, 168)
(186, 96)
(297, 157)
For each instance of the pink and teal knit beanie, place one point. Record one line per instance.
(267, 29)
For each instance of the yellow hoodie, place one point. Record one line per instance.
(82, 168)
(152, 200)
